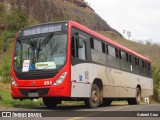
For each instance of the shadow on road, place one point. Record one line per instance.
(71, 107)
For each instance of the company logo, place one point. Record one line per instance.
(33, 83)
(6, 114)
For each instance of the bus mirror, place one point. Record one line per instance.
(80, 43)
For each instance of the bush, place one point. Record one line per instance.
(156, 81)
(5, 70)
(16, 20)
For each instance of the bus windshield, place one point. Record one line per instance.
(46, 52)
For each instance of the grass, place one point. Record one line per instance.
(7, 100)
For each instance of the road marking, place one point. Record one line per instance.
(87, 115)
(76, 118)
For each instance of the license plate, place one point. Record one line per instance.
(33, 95)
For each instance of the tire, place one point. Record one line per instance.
(137, 99)
(50, 102)
(107, 102)
(94, 99)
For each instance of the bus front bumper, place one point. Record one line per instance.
(37, 92)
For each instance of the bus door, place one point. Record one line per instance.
(79, 67)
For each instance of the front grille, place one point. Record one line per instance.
(40, 91)
(35, 75)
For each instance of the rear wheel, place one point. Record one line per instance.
(94, 99)
(51, 102)
(137, 99)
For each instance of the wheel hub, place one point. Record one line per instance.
(94, 96)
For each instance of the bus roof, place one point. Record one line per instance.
(97, 35)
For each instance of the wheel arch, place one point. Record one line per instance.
(98, 82)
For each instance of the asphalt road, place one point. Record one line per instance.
(113, 112)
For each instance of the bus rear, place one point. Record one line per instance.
(41, 63)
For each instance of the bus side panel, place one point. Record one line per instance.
(116, 83)
(80, 80)
(130, 82)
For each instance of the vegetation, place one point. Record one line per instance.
(16, 20)
(156, 78)
(7, 100)
(5, 70)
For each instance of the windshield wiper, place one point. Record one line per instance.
(45, 41)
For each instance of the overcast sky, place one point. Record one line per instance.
(140, 17)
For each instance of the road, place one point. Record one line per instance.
(113, 112)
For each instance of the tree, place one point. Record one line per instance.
(16, 20)
(148, 42)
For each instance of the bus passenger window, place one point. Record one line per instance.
(111, 51)
(149, 66)
(127, 59)
(92, 43)
(120, 55)
(136, 62)
(107, 49)
(103, 48)
(130, 60)
(116, 52)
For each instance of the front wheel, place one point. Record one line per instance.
(94, 99)
(51, 102)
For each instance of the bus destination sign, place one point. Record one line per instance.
(41, 29)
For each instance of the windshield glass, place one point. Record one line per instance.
(40, 53)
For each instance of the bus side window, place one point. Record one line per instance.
(130, 58)
(127, 57)
(116, 52)
(103, 48)
(78, 48)
(111, 51)
(149, 70)
(136, 61)
(92, 43)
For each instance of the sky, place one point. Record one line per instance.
(140, 17)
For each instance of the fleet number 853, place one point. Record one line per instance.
(48, 82)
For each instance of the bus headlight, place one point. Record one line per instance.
(60, 79)
(13, 82)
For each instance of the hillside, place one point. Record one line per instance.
(39, 11)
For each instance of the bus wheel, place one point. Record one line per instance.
(93, 101)
(50, 102)
(137, 99)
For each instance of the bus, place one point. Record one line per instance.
(68, 61)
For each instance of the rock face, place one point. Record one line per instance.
(59, 10)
